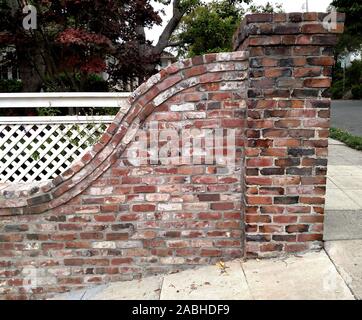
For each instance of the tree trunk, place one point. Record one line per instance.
(31, 68)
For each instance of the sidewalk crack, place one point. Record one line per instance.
(246, 279)
(161, 287)
(340, 274)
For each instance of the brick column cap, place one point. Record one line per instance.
(294, 23)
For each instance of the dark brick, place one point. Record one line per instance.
(305, 93)
(284, 237)
(259, 17)
(298, 152)
(286, 200)
(39, 199)
(16, 228)
(209, 197)
(257, 238)
(272, 171)
(288, 28)
(321, 104)
(295, 17)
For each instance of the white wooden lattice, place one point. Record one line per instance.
(40, 148)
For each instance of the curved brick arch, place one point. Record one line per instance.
(170, 81)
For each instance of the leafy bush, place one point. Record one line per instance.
(49, 112)
(96, 83)
(353, 75)
(357, 91)
(354, 72)
(10, 86)
(63, 83)
(337, 89)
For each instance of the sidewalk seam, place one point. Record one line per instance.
(161, 287)
(85, 291)
(246, 280)
(350, 289)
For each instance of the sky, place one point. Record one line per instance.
(288, 6)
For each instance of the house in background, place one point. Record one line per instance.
(167, 59)
(346, 61)
(129, 85)
(7, 70)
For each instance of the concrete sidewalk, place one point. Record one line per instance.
(311, 276)
(344, 193)
(347, 258)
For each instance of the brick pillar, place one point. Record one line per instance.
(291, 59)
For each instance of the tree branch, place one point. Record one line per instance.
(175, 44)
(164, 38)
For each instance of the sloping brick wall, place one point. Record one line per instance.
(109, 218)
(106, 219)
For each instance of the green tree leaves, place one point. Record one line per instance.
(210, 26)
(352, 37)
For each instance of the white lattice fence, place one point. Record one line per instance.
(40, 148)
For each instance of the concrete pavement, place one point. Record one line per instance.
(347, 258)
(309, 277)
(344, 193)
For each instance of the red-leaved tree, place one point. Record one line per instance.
(74, 39)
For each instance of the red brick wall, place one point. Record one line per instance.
(288, 113)
(109, 219)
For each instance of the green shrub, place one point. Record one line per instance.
(95, 83)
(10, 86)
(357, 91)
(49, 112)
(351, 76)
(337, 89)
(92, 83)
(354, 73)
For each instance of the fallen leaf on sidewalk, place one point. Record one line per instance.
(222, 266)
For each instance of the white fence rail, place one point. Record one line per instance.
(40, 148)
(63, 99)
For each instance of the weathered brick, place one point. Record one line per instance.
(222, 206)
(209, 197)
(136, 220)
(143, 207)
(286, 200)
(321, 61)
(297, 228)
(307, 72)
(318, 83)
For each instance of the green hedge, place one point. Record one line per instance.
(7, 86)
(357, 91)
